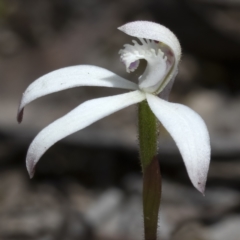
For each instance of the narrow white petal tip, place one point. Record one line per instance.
(31, 166)
(198, 174)
(200, 186)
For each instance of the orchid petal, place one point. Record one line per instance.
(190, 134)
(166, 91)
(69, 77)
(77, 119)
(157, 32)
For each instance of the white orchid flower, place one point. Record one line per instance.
(162, 51)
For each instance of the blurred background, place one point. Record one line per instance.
(88, 186)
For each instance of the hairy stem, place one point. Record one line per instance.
(147, 125)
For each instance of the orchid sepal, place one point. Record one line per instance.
(190, 133)
(80, 117)
(70, 77)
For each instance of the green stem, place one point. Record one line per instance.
(147, 125)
